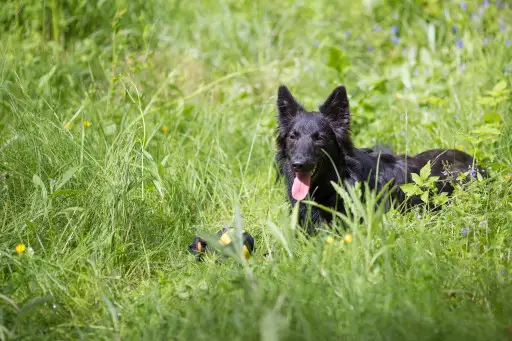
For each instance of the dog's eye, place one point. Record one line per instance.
(292, 136)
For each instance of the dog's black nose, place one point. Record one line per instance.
(302, 166)
(297, 166)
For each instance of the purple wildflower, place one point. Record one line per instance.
(394, 29)
(486, 3)
(395, 40)
(455, 117)
(462, 67)
(474, 15)
(454, 28)
(486, 41)
(460, 44)
(347, 34)
(463, 5)
(464, 231)
(316, 43)
(371, 49)
(507, 42)
(481, 10)
(377, 28)
(503, 272)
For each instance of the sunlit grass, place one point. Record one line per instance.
(128, 128)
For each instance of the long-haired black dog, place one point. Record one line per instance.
(315, 148)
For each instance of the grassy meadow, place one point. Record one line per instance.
(129, 127)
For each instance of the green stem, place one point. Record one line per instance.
(55, 20)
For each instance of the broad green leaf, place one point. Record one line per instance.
(337, 59)
(462, 176)
(416, 178)
(65, 177)
(479, 176)
(492, 117)
(500, 86)
(37, 180)
(433, 178)
(431, 100)
(441, 199)
(424, 197)
(68, 192)
(425, 171)
(410, 189)
(486, 130)
(39, 183)
(486, 100)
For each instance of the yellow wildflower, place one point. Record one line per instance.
(507, 177)
(87, 124)
(67, 125)
(459, 147)
(398, 96)
(20, 248)
(165, 129)
(348, 238)
(329, 240)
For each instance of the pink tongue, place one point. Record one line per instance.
(300, 186)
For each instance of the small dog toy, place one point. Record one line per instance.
(200, 247)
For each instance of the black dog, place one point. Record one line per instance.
(315, 148)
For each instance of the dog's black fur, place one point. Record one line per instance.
(320, 144)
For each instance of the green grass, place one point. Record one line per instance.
(180, 97)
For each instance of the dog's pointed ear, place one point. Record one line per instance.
(337, 110)
(287, 106)
(336, 106)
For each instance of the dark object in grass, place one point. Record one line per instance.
(315, 148)
(200, 247)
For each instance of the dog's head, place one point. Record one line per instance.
(308, 140)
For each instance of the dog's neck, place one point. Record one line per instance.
(321, 187)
